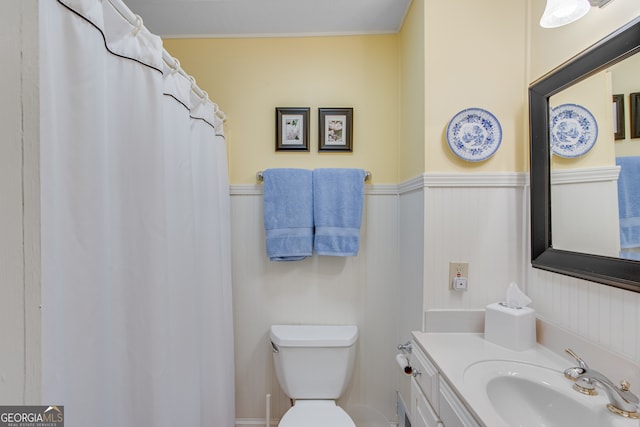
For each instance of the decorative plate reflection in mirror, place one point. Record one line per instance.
(574, 130)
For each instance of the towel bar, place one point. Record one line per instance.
(260, 177)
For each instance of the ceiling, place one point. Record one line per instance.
(269, 18)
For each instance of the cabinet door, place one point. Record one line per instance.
(452, 411)
(423, 414)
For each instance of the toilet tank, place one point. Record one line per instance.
(314, 361)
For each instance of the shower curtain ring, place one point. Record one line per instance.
(176, 66)
(205, 97)
(139, 24)
(218, 112)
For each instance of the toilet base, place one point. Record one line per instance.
(316, 413)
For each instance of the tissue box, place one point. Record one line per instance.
(513, 328)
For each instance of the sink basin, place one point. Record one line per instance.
(518, 394)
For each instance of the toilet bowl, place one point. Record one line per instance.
(313, 365)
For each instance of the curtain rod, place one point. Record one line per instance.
(172, 62)
(260, 176)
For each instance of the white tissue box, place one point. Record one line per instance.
(513, 328)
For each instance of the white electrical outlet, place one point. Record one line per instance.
(457, 271)
(460, 284)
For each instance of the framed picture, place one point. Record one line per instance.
(618, 117)
(292, 129)
(336, 129)
(634, 104)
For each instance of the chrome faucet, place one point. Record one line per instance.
(573, 373)
(621, 400)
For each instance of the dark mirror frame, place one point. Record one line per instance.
(610, 271)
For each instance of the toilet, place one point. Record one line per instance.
(314, 364)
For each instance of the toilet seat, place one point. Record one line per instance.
(316, 413)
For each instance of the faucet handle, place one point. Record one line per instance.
(581, 362)
(625, 385)
(574, 373)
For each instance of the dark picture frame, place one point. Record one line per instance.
(335, 127)
(618, 117)
(634, 114)
(292, 129)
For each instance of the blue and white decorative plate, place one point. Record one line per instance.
(474, 134)
(574, 130)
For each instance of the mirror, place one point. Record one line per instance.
(585, 200)
(575, 226)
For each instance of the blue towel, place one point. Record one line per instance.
(338, 196)
(634, 256)
(629, 201)
(288, 213)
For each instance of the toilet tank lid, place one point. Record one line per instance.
(314, 335)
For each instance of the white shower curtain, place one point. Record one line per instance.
(136, 284)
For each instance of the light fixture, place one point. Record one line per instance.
(562, 12)
(599, 3)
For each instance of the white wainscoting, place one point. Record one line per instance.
(586, 199)
(479, 219)
(360, 290)
(410, 233)
(605, 316)
(411, 268)
(410, 283)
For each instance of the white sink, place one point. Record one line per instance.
(518, 394)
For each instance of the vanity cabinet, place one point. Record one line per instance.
(434, 403)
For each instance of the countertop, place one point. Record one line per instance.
(452, 353)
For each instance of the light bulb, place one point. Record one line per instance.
(563, 12)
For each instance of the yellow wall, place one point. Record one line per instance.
(625, 81)
(249, 77)
(551, 47)
(411, 146)
(594, 94)
(476, 58)
(404, 88)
